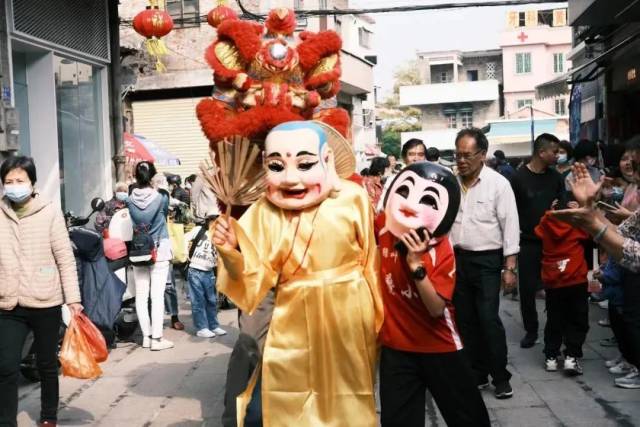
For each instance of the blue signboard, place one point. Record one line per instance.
(575, 112)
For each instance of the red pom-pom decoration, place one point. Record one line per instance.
(281, 21)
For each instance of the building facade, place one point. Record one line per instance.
(56, 79)
(161, 106)
(605, 78)
(461, 89)
(535, 48)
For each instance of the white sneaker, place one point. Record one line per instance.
(631, 380)
(146, 342)
(161, 344)
(622, 368)
(205, 333)
(551, 364)
(613, 362)
(604, 304)
(572, 366)
(219, 331)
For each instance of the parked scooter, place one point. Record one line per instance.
(28, 366)
(126, 325)
(101, 289)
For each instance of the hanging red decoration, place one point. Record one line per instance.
(154, 23)
(221, 13)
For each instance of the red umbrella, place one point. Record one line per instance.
(138, 148)
(134, 151)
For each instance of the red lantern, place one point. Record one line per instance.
(219, 14)
(154, 23)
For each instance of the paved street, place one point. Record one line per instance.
(184, 386)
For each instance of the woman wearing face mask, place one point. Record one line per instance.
(38, 273)
(103, 218)
(565, 153)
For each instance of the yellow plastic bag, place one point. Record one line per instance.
(178, 247)
(76, 357)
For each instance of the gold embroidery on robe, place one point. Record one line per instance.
(319, 360)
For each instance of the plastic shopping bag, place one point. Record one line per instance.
(94, 338)
(76, 357)
(178, 246)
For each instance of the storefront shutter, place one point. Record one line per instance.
(172, 124)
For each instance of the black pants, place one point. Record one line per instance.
(567, 320)
(477, 303)
(244, 358)
(530, 282)
(619, 331)
(405, 377)
(14, 327)
(631, 315)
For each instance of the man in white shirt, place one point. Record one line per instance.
(485, 237)
(413, 151)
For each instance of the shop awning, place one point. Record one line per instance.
(519, 130)
(555, 87)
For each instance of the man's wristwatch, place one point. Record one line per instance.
(512, 270)
(419, 273)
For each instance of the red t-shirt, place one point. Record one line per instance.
(563, 260)
(408, 326)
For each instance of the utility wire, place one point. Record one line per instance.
(247, 14)
(332, 12)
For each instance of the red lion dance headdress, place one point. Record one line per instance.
(264, 78)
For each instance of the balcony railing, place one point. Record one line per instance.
(446, 93)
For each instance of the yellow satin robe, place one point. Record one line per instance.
(319, 361)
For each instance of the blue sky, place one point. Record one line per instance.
(400, 35)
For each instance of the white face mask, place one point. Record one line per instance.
(562, 159)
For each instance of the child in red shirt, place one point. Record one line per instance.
(421, 347)
(564, 275)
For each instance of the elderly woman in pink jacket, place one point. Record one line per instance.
(38, 274)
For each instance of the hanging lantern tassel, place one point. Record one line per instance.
(157, 48)
(154, 24)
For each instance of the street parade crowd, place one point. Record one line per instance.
(348, 286)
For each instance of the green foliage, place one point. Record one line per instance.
(391, 143)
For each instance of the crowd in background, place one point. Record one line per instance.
(538, 253)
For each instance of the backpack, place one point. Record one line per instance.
(142, 249)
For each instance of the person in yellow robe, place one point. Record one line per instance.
(311, 237)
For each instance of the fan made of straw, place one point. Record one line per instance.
(234, 172)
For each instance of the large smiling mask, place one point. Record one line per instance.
(299, 159)
(422, 195)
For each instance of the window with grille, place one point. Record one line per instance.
(561, 107)
(452, 120)
(444, 77)
(491, 70)
(185, 13)
(466, 119)
(524, 103)
(522, 19)
(558, 63)
(523, 63)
